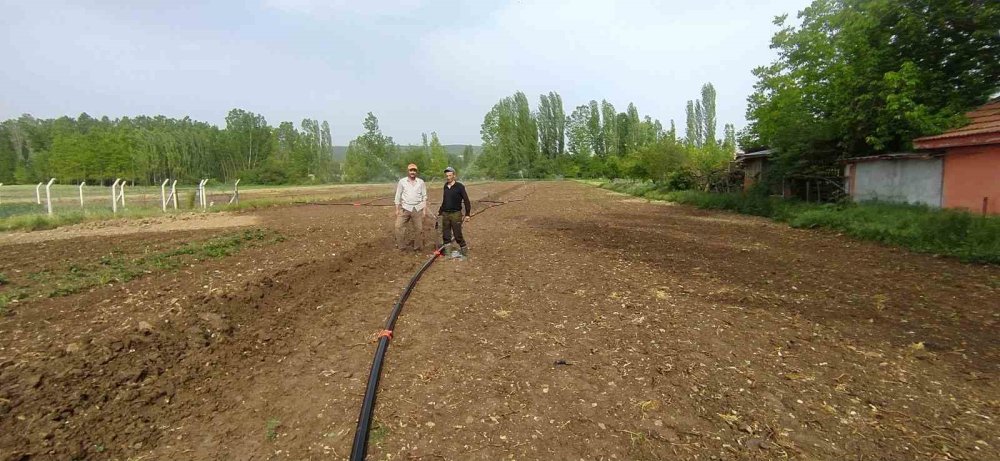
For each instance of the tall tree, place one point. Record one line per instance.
(527, 134)
(691, 130)
(510, 139)
(578, 130)
(551, 125)
(610, 128)
(468, 157)
(708, 107)
(595, 130)
(546, 127)
(370, 156)
(699, 123)
(559, 118)
(439, 156)
(729, 144)
(633, 132)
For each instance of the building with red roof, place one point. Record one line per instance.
(959, 168)
(971, 169)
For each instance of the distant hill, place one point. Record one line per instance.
(339, 152)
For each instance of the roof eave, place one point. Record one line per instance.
(941, 142)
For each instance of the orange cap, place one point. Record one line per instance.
(412, 166)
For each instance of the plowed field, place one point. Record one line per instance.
(585, 325)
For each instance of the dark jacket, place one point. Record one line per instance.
(454, 197)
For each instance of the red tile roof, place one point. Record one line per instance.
(984, 128)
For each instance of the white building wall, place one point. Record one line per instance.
(916, 181)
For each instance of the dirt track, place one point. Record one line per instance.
(686, 335)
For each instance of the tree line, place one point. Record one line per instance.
(373, 156)
(147, 150)
(595, 140)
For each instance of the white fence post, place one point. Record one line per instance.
(81, 193)
(121, 193)
(173, 192)
(1, 198)
(38, 193)
(114, 196)
(48, 195)
(163, 195)
(203, 201)
(236, 193)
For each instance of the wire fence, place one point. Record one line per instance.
(34, 199)
(26, 199)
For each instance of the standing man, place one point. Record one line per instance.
(451, 210)
(411, 207)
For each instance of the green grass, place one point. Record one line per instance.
(14, 209)
(971, 238)
(119, 268)
(271, 429)
(378, 434)
(34, 222)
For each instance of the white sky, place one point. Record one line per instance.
(419, 65)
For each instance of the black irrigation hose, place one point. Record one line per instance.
(360, 448)
(496, 204)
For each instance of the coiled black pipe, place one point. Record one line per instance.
(360, 448)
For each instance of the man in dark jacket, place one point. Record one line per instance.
(451, 210)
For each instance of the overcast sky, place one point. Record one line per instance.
(419, 65)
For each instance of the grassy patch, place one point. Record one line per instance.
(968, 237)
(34, 222)
(120, 268)
(378, 434)
(271, 429)
(14, 209)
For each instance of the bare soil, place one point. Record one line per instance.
(585, 325)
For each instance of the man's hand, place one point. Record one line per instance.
(467, 219)
(399, 212)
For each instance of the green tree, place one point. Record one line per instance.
(595, 130)
(439, 156)
(468, 157)
(691, 130)
(578, 129)
(708, 107)
(858, 77)
(510, 139)
(609, 129)
(249, 138)
(559, 119)
(546, 127)
(729, 143)
(699, 123)
(370, 156)
(551, 125)
(632, 131)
